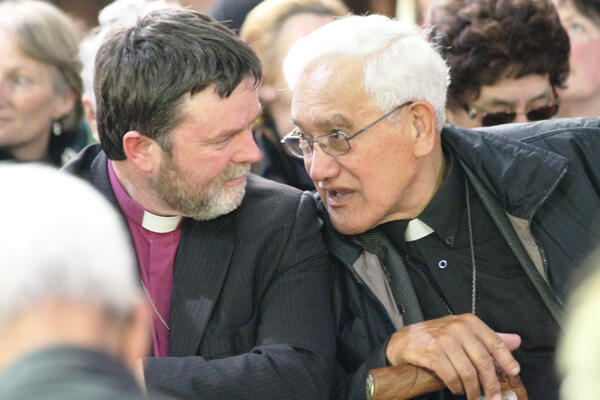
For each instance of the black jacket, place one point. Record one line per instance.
(546, 178)
(250, 313)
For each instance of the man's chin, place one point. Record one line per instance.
(345, 227)
(223, 207)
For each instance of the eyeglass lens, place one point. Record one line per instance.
(333, 144)
(537, 114)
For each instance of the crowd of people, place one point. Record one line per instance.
(277, 209)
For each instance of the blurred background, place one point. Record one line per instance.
(85, 12)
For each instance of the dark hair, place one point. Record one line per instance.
(143, 72)
(484, 41)
(589, 8)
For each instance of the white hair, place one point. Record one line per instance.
(118, 14)
(61, 239)
(578, 353)
(399, 63)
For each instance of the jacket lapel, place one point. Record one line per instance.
(201, 264)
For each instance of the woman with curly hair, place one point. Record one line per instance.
(506, 59)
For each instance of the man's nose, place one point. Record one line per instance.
(249, 151)
(321, 166)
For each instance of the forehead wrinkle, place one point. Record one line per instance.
(336, 120)
(318, 90)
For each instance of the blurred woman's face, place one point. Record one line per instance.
(28, 102)
(584, 79)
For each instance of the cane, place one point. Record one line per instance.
(408, 381)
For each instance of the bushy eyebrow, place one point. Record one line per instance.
(334, 120)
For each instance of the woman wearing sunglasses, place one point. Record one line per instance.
(506, 59)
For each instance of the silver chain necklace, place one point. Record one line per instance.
(474, 270)
(154, 307)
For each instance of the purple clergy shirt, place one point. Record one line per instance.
(156, 239)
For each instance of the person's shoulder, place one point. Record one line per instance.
(275, 202)
(83, 160)
(539, 131)
(259, 189)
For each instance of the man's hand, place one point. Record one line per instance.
(461, 350)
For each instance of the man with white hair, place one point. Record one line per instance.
(452, 246)
(73, 319)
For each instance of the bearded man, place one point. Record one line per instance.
(232, 264)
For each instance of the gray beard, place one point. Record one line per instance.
(204, 203)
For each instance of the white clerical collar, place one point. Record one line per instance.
(416, 229)
(159, 224)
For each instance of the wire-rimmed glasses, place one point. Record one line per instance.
(335, 144)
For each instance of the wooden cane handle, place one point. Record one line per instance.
(408, 381)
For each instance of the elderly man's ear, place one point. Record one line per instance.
(422, 120)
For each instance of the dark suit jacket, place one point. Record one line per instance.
(69, 373)
(250, 311)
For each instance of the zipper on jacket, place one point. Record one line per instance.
(544, 263)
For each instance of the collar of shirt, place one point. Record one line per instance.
(444, 212)
(137, 213)
(416, 229)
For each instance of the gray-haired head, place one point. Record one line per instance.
(399, 63)
(60, 239)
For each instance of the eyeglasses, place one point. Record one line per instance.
(335, 144)
(505, 117)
